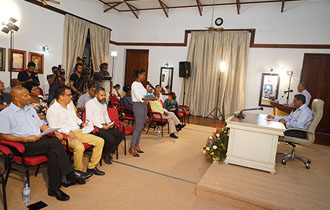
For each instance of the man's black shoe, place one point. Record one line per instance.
(179, 127)
(107, 159)
(96, 171)
(59, 195)
(83, 175)
(173, 136)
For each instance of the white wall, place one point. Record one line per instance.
(39, 27)
(302, 23)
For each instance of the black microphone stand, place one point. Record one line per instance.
(287, 98)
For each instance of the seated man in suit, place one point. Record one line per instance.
(62, 115)
(300, 118)
(173, 121)
(20, 122)
(97, 113)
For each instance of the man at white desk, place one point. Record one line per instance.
(301, 117)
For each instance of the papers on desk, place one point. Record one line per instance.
(88, 128)
(48, 131)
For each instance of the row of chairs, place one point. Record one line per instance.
(32, 161)
(155, 118)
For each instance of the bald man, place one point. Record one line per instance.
(20, 123)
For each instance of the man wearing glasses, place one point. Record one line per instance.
(62, 115)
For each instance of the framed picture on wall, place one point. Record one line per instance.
(2, 59)
(269, 88)
(17, 60)
(38, 59)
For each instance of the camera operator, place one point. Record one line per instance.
(78, 82)
(78, 60)
(102, 78)
(55, 80)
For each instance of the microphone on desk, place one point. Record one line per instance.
(288, 91)
(240, 115)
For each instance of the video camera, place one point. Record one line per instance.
(58, 70)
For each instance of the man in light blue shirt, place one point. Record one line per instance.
(20, 123)
(300, 118)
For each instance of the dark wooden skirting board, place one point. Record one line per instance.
(187, 32)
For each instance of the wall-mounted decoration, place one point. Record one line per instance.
(17, 60)
(166, 79)
(38, 59)
(269, 88)
(2, 59)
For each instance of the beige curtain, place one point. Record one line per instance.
(100, 39)
(75, 35)
(206, 51)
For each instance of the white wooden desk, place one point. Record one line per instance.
(253, 141)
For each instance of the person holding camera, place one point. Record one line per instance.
(55, 80)
(28, 74)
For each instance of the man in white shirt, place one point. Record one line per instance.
(302, 90)
(300, 118)
(62, 115)
(97, 113)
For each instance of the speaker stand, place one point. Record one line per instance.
(217, 116)
(184, 89)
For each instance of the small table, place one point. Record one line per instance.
(253, 141)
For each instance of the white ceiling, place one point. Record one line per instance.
(155, 4)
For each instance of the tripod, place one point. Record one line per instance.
(216, 108)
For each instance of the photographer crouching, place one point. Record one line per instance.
(55, 80)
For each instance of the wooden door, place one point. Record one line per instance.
(316, 74)
(135, 59)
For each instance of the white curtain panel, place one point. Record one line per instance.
(206, 51)
(100, 39)
(75, 35)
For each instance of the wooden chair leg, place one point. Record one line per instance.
(148, 128)
(3, 182)
(117, 153)
(125, 147)
(27, 172)
(37, 171)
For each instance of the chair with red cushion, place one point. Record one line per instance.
(127, 130)
(114, 101)
(184, 111)
(155, 121)
(4, 173)
(127, 114)
(27, 162)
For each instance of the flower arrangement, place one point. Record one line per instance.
(216, 147)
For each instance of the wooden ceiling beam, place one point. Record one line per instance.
(200, 7)
(238, 5)
(282, 8)
(164, 7)
(133, 9)
(112, 6)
